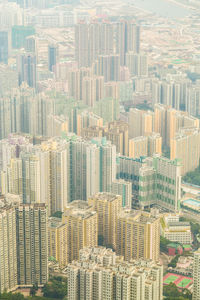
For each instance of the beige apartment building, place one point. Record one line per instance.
(8, 246)
(138, 235)
(108, 207)
(138, 146)
(57, 238)
(154, 144)
(116, 132)
(185, 147)
(82, 228)
(140, 123)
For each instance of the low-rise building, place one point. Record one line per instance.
(175, 230)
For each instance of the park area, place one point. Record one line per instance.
(180, 281)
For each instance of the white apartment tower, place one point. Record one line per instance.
(196, 276)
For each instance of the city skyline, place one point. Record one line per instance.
(99, 149)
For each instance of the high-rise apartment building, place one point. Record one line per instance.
(10, 15)
(32, 244)
(31, 44)
(52, 56)
(4, 46)
(107, 163)
(27, 69)
(91, 132)
(154, 144)
(172, 125)
(117, 133)
(174, 92)
(108, 207)
(12, 147)
(57, 241)
(155, 180)
(8, 79)
(86, 120)
(44, 158)
(160, 119)
(8, 245)
(59, 177)
(138, 235)
(137, 64)
(92, 90)
(112, 90)
(196, 275)
(168, 181)
(138, 146)
(75, 81)
(56, 125)
(124, 189)
(168, 122)
(108, 109)
(192, 100)
(146, 186)
(185, 147)
(81, 222)
(19, 35)
(92, 40)
(108, 66)
(85, 169)
(81, 45)
(30, 178)
(100, 274)
(14, 183)
(140, 122)
(61, 170)
(127, 39)
(53, 156)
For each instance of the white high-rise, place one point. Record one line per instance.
(196, 276)
(30, 178)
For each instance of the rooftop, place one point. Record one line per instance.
(79, 209)
(105, 196)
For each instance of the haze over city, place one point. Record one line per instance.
(100, 149)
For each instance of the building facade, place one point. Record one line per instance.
(100, 274)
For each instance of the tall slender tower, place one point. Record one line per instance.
(52, 56)
(31, 178)
(108, 207)
(196, 276)
(32, 244)
(127, 39)
(26, 67)
(8, 253)
(4, 46)
(81, 44)
(82, 228)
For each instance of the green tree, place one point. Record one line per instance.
(10, 296)
(33, 290)
(171, 292)
(174, 261)
(56, 288)
(163, 244)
